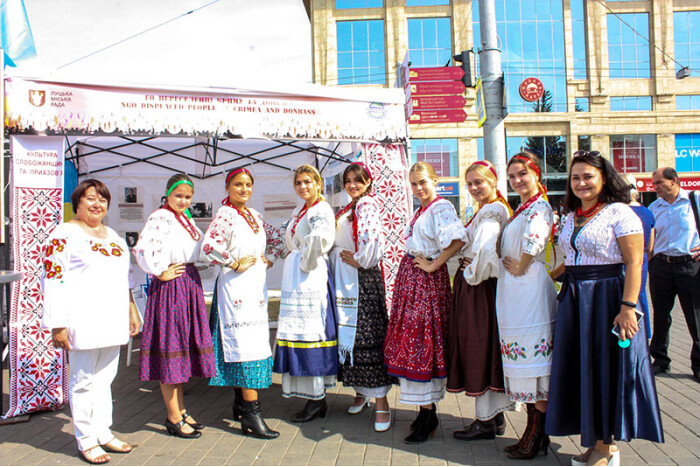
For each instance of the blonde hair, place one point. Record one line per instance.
(485, 169)
(423, 167)
(315, 176)
(632, 182)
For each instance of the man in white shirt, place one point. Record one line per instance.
(674, 269)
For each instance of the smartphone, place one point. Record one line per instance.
(616, 329)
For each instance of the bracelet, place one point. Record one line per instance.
(629, 304)
(238, 264)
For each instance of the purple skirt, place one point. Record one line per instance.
(176, 342)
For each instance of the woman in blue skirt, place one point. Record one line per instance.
(600, 389)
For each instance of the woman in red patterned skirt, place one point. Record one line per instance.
(416, 341)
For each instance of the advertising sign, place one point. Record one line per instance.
(687, 183)
(531, 89)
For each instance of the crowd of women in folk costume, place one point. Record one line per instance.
(500, 334)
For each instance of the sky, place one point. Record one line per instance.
(228, 43)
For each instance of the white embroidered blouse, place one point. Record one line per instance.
(480, 238)
(434, 230)
(596, 242)
(163, 241)
(370, 239)
(528, 232)
(313, 234)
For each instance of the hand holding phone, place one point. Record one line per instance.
(616, 330)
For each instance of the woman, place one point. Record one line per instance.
(176, 343)
(526, 303)
(307, 349)
(474, 348)
(415, 345)
(360, 299)
(87, 264)
(236, 240)
(648, 222)
(598, 389)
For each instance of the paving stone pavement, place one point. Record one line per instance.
(339, 439)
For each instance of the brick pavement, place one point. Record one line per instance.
(339, 439)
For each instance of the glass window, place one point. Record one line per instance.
(347, 4)
(584, 143)
(442, 154)
(688, 152)
(578, 36)
(626, 104)
(628, 53)
(361, 58)
(582, 104)
(633, 153)
(687, 102)
(427, 2)
(686, 25)
(429, 42)
(550, 149)
(532, 34)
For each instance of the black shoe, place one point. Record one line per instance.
(658, 369)
(253, 421)
(195, 425)
(237, 401)
(175, 429)
(424, 426)
(533, 440)
(528, 427)
(311, 410)
(500, 421)
(477, 430)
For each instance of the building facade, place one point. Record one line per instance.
(608, 70)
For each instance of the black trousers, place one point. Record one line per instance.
(665, 282)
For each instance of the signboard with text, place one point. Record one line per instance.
(438, 116)
(687, 183)
(443, 73)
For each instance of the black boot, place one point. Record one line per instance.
(424, 426)
(252, 420)
(237, 404)
(533, 440)
(311, 410)
(500, 421)
(528, 427)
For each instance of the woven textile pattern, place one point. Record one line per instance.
(39, 373)
(389, 169)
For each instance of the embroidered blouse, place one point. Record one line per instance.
(434, 230)
(528, 232)
(313, 236)
(480, 238)
(370, 237)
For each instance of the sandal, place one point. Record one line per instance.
(118, 446)
(95, 455)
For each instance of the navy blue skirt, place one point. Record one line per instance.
(596, 388)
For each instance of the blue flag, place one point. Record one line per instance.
(16, 37)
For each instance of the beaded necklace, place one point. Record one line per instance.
(417, 215)
(582, 215)
(245, 214)
(185, 223)
(301, 214)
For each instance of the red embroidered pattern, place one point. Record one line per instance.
(53, 270)
(418, 213)
(112, 250)
(245, 214)
(184, 223)
(525, 206)
(301, 214)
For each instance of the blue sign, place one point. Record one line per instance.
(448, 189)
(688, 152)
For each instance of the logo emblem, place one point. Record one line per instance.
(531, 89)
(376, 110)
(37, 98)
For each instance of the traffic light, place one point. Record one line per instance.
(465, 59)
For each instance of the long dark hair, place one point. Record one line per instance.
(615, 189)
(361, 171)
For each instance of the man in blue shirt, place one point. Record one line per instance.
(674, 269)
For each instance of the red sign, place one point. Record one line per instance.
(628, 156)
(687, 183)
(531, 89)
(438, 116)
(438, 102)
(443, 73)
(440, 87)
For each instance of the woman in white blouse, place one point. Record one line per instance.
(90, 311)
(416, 342)
(176, 343)
(307, 349)
(602, 386)
(238, 240)
(473, 343)
(360, 296)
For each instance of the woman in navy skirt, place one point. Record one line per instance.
(176, 342)
(598, 388)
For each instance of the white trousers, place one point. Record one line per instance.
(91, 374)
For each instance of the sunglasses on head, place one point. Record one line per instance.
(587, 153)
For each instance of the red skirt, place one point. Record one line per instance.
(415, 344)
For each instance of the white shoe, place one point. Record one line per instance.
(597, 459)
(355, 409)
(382, 426)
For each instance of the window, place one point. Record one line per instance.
(686, 35)
(688, 152)
(429, 42)
(442, 154)
(582, 104)
(628, 53)
(550, 149)
(348, 4)
(687, 102)
(633, 153)
(427, 2)
(361, 52)
(584, 143)
(626, 104)
(532, 34)
(578, 37)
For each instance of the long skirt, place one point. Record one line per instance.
(255, 374)
(368, 370)
(474, 349)
(596, 388)
(176, 343)
(416, 345)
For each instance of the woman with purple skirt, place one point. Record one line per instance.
(176, 342)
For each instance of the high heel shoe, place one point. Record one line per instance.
(311, 410)
(534, 440)
(424, 426)
(195, 425)
(528, 427)
(237, 401)
(382, 426)
(175, 429)
(252, 421)
(355, 409)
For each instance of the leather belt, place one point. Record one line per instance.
(674, 259)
